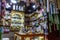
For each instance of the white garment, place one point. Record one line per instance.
(44, 25)
(36, 22)
(38, 28)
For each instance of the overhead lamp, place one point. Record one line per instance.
(13, 1)
(34, 6)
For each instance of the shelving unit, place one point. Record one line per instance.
(17, 20)
(6, 22)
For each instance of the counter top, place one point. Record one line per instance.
(28, 35)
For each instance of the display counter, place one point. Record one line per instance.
(18, 36)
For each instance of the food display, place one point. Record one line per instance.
(39, 20)
(17, 20)
(39, 26)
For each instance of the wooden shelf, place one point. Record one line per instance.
(30, 36)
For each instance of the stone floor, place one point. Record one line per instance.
(5, 39)
(51, 36)
(8, 35)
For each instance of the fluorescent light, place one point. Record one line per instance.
(13, 1)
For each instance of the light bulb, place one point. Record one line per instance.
(34, 6)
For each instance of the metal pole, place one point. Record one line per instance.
(48, 14)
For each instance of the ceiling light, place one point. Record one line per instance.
(34, 6)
